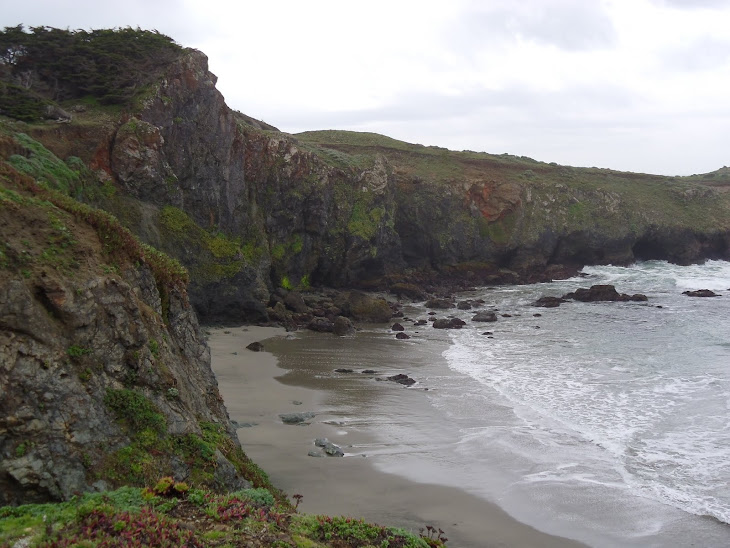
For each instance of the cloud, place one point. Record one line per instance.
(706, 53)
(696, 4)
(570, 25)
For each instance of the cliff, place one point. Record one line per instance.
(105, 379)
(248, 209)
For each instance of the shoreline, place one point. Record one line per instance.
(256, 389)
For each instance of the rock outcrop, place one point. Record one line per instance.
(105, 377)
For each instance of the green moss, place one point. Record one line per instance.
(135, 410)
(43, 165)
(286, 283)
(365, 221)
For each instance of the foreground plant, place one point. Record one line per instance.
(169, 514)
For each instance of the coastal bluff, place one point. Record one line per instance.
(249, 209)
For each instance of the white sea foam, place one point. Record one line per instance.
(622, 396)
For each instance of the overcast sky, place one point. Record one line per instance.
(636, 85)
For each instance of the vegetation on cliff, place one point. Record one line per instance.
(45, 66)
(172, 514)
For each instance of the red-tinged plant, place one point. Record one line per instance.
(125, 529)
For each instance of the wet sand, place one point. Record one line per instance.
(348, 407)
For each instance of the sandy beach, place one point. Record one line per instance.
(347, 406)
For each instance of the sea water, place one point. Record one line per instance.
(605, 422)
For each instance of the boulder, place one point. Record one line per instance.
(439, 304)
(255, 346)
(296, 418)
(484, 317)
(333, 450)
(448, 323)
(295, 302)
(397, 327)
(405, 380)
(701, 293)
(601, 293)
(342, 326)
(402, 336)
(409, 291)
(322, 325)
(366, 308)
(464, 305)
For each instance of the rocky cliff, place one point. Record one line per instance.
(249, 209)
(105, 378)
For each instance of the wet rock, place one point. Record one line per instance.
(464, 305)
(405, 380)
(321, 442)
(295, 302)
(296, 418)
(439, 304)
(369, 372)
(397, 327)
(600, 293)
(314, 453)
(366, 308)
(321, 325)
(701, 293)
(255, 347)
(448, 323)
(343, 370)
(402, 336)
(342, 326)
(549, 302)
(421, 322)
(409, 291)
(484, 317)
(333, 450)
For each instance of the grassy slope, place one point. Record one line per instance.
(700, 201)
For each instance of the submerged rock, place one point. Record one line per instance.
(405, 380)
(255, 346)
(485, 317)
(701, 293)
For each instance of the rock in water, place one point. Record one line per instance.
(549, 302)
(485, 317)
(342, 326)
(439, 304)
(701, 293)
(405, 380)
(599, 293)
(255, 346)
(296, 418)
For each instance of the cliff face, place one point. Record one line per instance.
(104, 376)
(248, 209)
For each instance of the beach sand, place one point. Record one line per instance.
(348, 406)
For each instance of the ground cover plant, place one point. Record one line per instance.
(171, 514)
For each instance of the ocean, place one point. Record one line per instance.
(604, 422)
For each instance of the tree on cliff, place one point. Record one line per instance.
(109, 65)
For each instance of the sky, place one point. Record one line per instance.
(633, 85)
